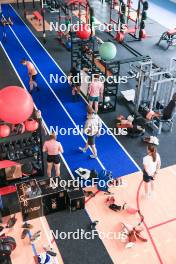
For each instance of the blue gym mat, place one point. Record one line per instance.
(55, 103)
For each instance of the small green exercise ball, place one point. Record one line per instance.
(107, 51)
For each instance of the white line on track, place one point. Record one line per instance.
(81, 95)
(63, 159)
(61, 104)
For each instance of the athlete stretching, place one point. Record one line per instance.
(32, 75)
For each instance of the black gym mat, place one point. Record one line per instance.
(77, 251)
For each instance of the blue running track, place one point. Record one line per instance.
(55, 102)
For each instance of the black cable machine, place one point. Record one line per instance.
(126, 20)
(92, 61)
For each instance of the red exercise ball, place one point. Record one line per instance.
(4, 131)
(83, 31)
(16, 104)
(31, 125)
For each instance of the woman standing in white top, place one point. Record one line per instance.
(152, 164)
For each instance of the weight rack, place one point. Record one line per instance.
(23, 148)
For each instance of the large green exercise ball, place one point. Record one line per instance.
(107, 51)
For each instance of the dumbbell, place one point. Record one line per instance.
(16, 145)
(38, 139)
(19, 154)
(144, 15)
(145, 5)
(28, 152)
(122, 19)
(123, 8)
(28, 142)
(35, 149)
(9, 241)
(24, 143)
(11, 155)
(5, 250)
(142, 24)
(4, 148)
(11, 147)
(36, 165)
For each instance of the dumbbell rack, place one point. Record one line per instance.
(5, 260)
(110, 89)
(89, 61)
(77, 51)
(23, 148)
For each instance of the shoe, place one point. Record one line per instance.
(82, 149)
(38, 232)
(49, 250)
(130, 245)
(93, 225)
(24, 233)
(93, 157)
(35, 236)
(51, 253)
(26, 225)
(33, 239)
(141, 238)
(11, 222)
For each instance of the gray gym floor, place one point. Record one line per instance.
(147, 47)
(75, 252)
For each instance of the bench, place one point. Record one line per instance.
(170, 38)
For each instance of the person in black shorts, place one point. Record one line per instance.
(54, 150)
(152, 164)
(169, 109)
(33, 75)
(92, 130)
(74, 79)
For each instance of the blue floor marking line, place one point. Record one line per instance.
(106, 145)
(33, 245)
